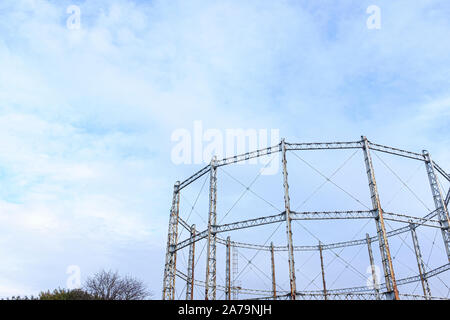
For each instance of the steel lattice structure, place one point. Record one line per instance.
(439, 218)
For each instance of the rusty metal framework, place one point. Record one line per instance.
(389, 289)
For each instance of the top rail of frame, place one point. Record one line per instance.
(310, 146)
(441, 171)
(396, 151)
(230, 160)
(324, 145)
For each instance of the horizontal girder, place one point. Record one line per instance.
(323, 215)
(310, 146)
(441, 171)
(346, 293)
(361, 291)
(194, 177)
(184, 224)
(326, 246)
(324, 145)
(249, 155)
(396, 151)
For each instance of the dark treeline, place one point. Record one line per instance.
(104, 285)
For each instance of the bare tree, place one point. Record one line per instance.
(109, 285)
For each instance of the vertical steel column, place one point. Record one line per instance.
(191, 267)
(168, 292)
(441, 207)
(391, 285)
(288, 223)
(447, 198)
(228, 271)
(235, 274)
(323, 273)
(274, 284)
(376, 285)
(210, 282)
(420, 264)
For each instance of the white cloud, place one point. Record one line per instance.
(86, 115)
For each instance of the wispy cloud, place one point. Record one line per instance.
(86, 115)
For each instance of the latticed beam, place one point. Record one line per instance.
(407, 219)
(191, 268)
(441, 171)
(447, 198)
(439, 202)
(249, 155)
(211, 262)
(171, 254)
(324, 145)
(420, 263)
(287, 209)
(272, 262)
(323, 272)
(188, 241)
(324, 215)
(334, 296)
(194, 177)
(379, 222)
(250, 223)
(228, 270)
(427, 275)
(309, 146)
(332, 215)
(184, 224)
(333, 292)
(396, 151)
(375, 279)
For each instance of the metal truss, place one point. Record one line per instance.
(439, 218)
(318, 296)
(375, 280)
(249, 155)
(337, 296)
(228, 271)
(426, 275)
(171, 255)
(194, 177)
(440, 170)
(396, 151)
(419, 297)
(184, 224)
(331, 245)
(288, 218)
(191, 268)
(324, 145)
(310, 146)
(348, 296)
(318, 215)
(211, 259)
(362, 291)
(386, 259)
(406, 219)
(439, 202)
(420, 263)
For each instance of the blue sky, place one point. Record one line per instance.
(86, 115)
